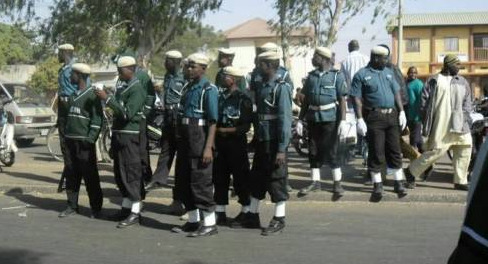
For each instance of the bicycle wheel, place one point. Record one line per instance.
(53, 144)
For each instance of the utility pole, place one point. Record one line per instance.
(400, 34)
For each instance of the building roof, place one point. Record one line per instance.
(259, 28)
(442, 19)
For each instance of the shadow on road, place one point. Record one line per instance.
(20, 256)
(31, 176)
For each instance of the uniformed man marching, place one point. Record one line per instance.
(65, 90)
(324, 109)
(127, 103)
(173, 83)
(235, 116)
(269, 173)
(83, 124)
(198, 114)
(379, 110)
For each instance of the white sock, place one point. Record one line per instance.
(280, 209)
(390, 171)
(315, 174)
(208, 218)
(194, 216)
(397, 174)
(126, 203)
(376, 177)
(337, 174)
(245, 209)
(220, 208)
(136, 207)
(254, 207)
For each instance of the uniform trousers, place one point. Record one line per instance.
(323, 144)
(144, 151)
(266, 175)
(61, 122)
(127, 165)
(168, 148)
(232, 159)
(193, 179)
(82, 164)
(383, 138)
(416, 134)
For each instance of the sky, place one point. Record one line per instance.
(235, 12)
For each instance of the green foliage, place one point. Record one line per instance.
(15, 45)
(203, 39)
(45, 78)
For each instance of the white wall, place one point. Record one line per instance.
(245, 53)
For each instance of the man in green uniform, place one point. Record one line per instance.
(324, 109)
(376, 97)
(235, 116)
(127, 103)
(198, 114)
(83, 124)
(273, 131)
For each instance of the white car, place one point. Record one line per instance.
(32, 114)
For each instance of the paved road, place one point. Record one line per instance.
(35, 171)
(316, 232)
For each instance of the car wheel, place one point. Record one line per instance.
(24, 142)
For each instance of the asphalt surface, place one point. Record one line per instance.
(35, 171)
(316, 232)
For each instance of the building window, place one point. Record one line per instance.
(451, 44)
(412, 44)
(480, 47)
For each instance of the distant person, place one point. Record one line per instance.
(353, 62)
(224, 59)
(414, 121)
(446, 104)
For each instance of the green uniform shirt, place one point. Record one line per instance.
(127, 104)
(85, 116)
(172, 87)
(274, 102)
(148, 88)
(321, 89)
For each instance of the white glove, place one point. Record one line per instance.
(98, 86)
(299, 128)
(362, 128)
(402, 119)
(342, 129)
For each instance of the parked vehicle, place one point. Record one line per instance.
(31, 113)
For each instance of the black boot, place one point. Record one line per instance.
(204, 231)
(377, 193)
(399, 189)
(132, 219)
(313, 187)
(410, 179)
(72, 208)
(221, 218)
(276, 226)
(186, 228)
(252, 221)
(239, 220)
(427, 173)
(337, 191)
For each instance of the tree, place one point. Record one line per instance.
(327, 17)
(45, 78)
(15, 45)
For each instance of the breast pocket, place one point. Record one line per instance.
(370, 86)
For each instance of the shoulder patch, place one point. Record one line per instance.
(367, 78)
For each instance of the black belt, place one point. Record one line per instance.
(171, 107)
(192, 121)
(381, 110)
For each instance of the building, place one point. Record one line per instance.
(246, 37)
(427, 38)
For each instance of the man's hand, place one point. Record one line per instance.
(280, 159)
(299, 128)
(402, 119)
(362, 128)
(207, 156)
(342, 129)
(101, 94)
